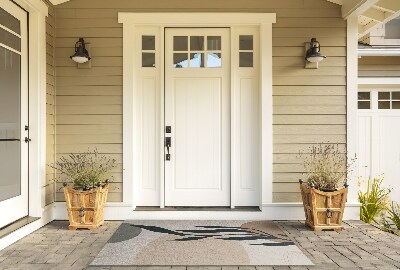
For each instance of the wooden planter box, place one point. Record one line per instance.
(323, 210)
(86, 208)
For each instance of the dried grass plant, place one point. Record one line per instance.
(85, 169)
(326, 167)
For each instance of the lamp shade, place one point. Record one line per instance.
(313, 54)
(81, 55)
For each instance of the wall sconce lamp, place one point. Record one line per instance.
(81, 54)
(313, 55)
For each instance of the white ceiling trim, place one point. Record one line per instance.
(371, 13)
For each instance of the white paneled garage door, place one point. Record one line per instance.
(379, 136)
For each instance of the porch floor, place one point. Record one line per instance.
(359, 246)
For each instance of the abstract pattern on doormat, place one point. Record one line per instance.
(197, 242)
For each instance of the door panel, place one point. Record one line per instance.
(198, 133)
(389, 153)
(13, 113)
(197, 107)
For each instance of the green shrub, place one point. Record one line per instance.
(393, 214)
(374, 200)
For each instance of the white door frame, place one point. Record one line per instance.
(131, 119)
(17, 207)
(37, 12)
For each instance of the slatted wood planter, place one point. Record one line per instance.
(86, 208)
(323, 210)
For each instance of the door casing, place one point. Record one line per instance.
(135, 24)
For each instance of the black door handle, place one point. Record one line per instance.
(168, 145)
(10, 140)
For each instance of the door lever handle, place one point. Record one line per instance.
(168, 145)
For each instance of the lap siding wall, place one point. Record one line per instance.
(309, 104)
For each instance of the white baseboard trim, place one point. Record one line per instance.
(47, 216)
(270, 211)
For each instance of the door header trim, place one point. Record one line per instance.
(196, 19)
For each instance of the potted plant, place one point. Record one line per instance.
(324, 192)
(87, 196)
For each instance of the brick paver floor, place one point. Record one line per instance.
(358, 246)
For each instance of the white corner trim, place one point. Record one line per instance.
(270, 211)
(352, 89)
(266, 113)
(47, 216)
(378, 80)
(131, 145)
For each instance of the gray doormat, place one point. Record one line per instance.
(196, 242)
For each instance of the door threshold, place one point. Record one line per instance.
(205, 208)
(6, 230)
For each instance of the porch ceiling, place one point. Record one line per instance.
(371, 13)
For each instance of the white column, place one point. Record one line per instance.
(352, 88)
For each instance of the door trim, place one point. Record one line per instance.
(37, 12)
(131, 117)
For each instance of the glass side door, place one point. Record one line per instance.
(13, 113)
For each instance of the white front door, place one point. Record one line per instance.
(197, 110)
(13, 113)
(379, 133)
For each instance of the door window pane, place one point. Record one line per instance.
(214, 43)
(396, 105)
(9, 21)
(214, 60)
(10, 40)
(383, 105)
(246, 42)
(364, 95)
(148, 59)
(245, 59)
(384, 95)
(148, 43)
(10, 123)
(196, 43)
(180, 43)
(180, 60)
(364, 105)
(396, 95)
(197, 60)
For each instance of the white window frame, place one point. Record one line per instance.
(131, 151)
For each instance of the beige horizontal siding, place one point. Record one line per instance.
(379, 66)
(309, 104)
(49, 187)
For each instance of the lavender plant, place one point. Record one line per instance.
(326, 167)
(85, 169)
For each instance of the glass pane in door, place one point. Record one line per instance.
(10, 124)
